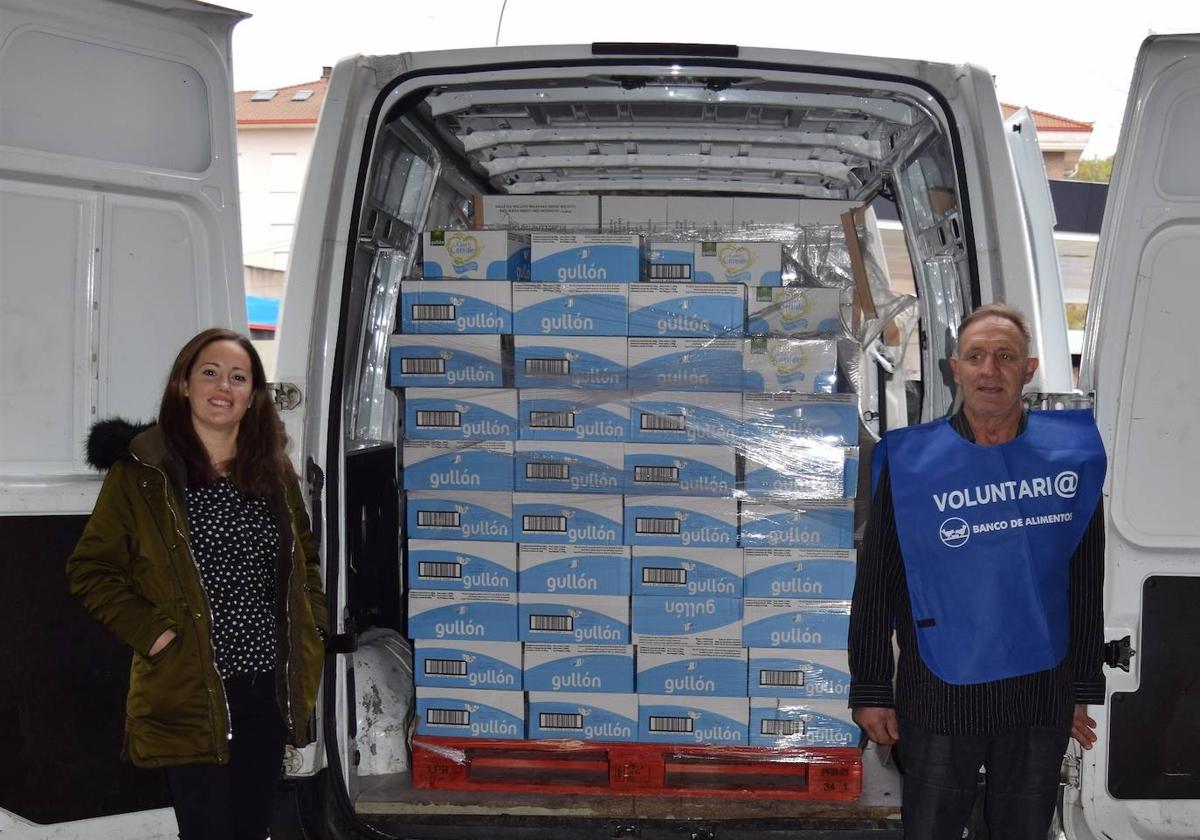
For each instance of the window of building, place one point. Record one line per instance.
(263, 95)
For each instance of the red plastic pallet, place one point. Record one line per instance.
(627, 769)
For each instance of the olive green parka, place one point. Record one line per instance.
(134, 572)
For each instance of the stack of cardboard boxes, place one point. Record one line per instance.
(654, 458)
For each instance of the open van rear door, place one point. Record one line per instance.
(1142, 780)
(119, 239)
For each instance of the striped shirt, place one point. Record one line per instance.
(881, 603)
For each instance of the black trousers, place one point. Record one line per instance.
(235, 800)
(941, 776)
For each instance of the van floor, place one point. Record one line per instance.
(393, 795)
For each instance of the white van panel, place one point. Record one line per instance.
(1138, 358)
(119, 229)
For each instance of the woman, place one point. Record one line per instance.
(199, 556)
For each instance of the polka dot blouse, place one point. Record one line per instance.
(235, 543)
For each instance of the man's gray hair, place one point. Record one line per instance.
(999, 310)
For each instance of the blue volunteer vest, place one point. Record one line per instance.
(987, 534)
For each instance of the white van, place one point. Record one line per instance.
(119, 238)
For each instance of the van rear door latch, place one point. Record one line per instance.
(286, 395)
(1117, 653)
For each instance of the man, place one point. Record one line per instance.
(984, 553)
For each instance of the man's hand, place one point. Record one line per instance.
(1083, 728)
(880, 723)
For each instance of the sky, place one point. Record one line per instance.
(1070, 58)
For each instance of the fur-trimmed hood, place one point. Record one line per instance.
(109, 441)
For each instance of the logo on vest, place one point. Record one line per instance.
(954, 532)
(1063, 485)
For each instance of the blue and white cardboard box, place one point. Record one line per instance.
(795, 469)
(811, 524)
(686, 469)
(557, 414)
(685, 417)
(570, 667)
(459, 516)
(463, 307)
(687, 310)
(445, 361)
(684, 619)
(695, 521)
(829, 418)
(573, 569)
(672, 668)
(795, 623)
(570, 362)
(475, 255)
(794, 311)
(784, 672)
(807, 366)
(670, 261)
(576, 619)
(568, 466)
(687, 364)
(779, 722)
(570, 308)
(460, 414)
(675, 719)
(462, 664)
(568, 518)
(750, 263)
(850, 483)
(799, 572)
(582, 716)
(467, 565)
(671, 570)
(458, 465)
(470, 712)
(477, 616)
(585, 258)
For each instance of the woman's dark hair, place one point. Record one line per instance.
(261, 464)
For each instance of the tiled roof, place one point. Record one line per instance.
(281, 109)
(1047, 122)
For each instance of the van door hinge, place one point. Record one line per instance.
(286, 395)
(1118, 653)
(1058, 402)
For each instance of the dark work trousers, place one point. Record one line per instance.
(941, 776)
(235, 800)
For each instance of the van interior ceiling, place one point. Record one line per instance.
(835, 141)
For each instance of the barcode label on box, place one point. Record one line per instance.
(447, 717)
(548, 524)
(548, 367)
(422, 365)
(782, 728)
(560, 472)
(674, 576)
(560, 720)
(669, 271)
(656, 475)
(789, 679)
(552, 419)
(445, 668)
(439, 570)
(662, 723)
(438, 518)
(439, 419)
(433, 312)
(656, 525)
(562, 623)
(664, 422)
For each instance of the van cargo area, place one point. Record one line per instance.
(665, 285)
